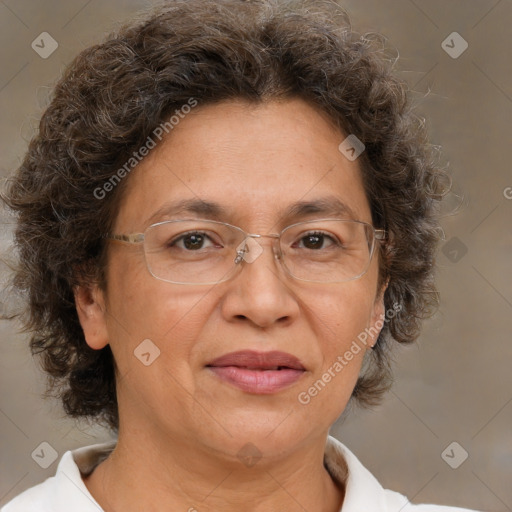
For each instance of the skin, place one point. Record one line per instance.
(180, 426)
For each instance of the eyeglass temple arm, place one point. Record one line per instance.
(135, 238)
(380, 234)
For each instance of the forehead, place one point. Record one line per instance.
(245, 163)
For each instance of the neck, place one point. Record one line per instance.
(142, 474)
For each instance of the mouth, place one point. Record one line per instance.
(258, 372)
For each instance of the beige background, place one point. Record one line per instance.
(456, 384)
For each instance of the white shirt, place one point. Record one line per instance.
(66, 490)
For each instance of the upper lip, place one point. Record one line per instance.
(258, 360)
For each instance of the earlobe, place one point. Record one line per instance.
(90, 307)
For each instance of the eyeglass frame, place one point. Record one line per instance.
(139, 238)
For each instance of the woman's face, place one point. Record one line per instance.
(255, 162)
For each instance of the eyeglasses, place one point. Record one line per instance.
(200, 252)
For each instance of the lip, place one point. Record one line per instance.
(258, 372)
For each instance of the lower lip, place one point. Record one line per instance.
(262, 382)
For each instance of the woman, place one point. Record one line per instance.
(226, 221)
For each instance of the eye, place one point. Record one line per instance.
(192, 241)
(315, 240)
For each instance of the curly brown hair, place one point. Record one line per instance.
(112, 97)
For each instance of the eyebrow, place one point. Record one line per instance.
(325, 206)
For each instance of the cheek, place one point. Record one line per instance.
(342, 343)
(341, 319)
(345, 312)
(144, 308)
(154, 334)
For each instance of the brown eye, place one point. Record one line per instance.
(192, 241)
(315, 241)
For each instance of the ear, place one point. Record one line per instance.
(90, 306)
(378, 315)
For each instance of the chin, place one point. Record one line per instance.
(267, 431)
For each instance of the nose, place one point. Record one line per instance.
(261, 292)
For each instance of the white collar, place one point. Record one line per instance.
(66, 489)
(362, 490)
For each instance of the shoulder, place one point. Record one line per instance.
(362, 490)
(396, 502)
(34, 499)
(65, 490)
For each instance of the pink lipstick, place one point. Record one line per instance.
(258, 372)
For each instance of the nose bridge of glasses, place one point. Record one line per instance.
(249, 250)
(271, 235)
